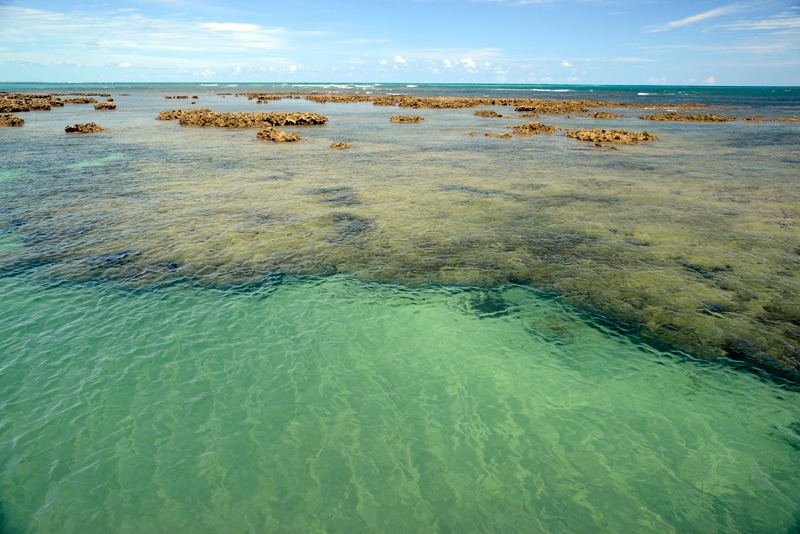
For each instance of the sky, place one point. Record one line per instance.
(642, 42)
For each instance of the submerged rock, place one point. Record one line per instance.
(488, 114)
(610, 136)
(406, 118)
(10, 120)
(277, 136)
(340, 145)
(90, 127)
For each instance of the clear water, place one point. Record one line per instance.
(204, 333)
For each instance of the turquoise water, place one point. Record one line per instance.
(334, 405)
(431, 331)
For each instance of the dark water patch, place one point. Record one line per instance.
(349, 227)
(715, 309)
(569, 198)
(479, 192)
(485, 304)
(704, 271)
(336, 196)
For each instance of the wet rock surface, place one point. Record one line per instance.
(610, 136)
(109, 105)
(340, 145)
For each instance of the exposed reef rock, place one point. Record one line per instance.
(340, 145)
(80, 100)
(105, 105)
(488, 114)
(534, 128)
(273, 134)
(604, 115)
(90, 127)
(528, 116)
(10, 120)
(610, 136)
(688, 117)
(206, 117)
(406, 118)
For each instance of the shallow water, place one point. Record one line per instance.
(332, 404)
(206, 332)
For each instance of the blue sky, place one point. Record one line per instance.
(449, 41)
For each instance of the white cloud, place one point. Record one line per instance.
(208, 73)
(779, 22)
(710, 80)
(705, 15)
(125, 65)
(447, 63)
(294, 68)
(565, 63)
(237, 71)
(400, 60)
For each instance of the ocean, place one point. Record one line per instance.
(433, 330)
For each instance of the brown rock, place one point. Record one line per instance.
(610, 136)
(534, 128)
(406, 118)
(340, 145)
(80, 100)
(105, 105)
(488, 114)
(273, 134)
(604, 115)
(10, 120)
(687, 117)
(504, 135)
(206, 117)
(90, 127)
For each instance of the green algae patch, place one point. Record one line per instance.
(706, 260)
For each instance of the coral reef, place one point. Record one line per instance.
(90, 127)
(533, 128)
(610, 136)
(406, 118)
(10, 120)
(206, 117)
(273, 134)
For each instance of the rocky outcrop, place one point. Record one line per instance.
(598, 137)
(10, 120)
(340, 145)
(556, 107)
(105, 105)
(80, 100)
(90, 127)
(276, 136)
(687, 117)
(604, 115)
(488, 114)
(406, 118)
(206, 117)
(534, 128)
